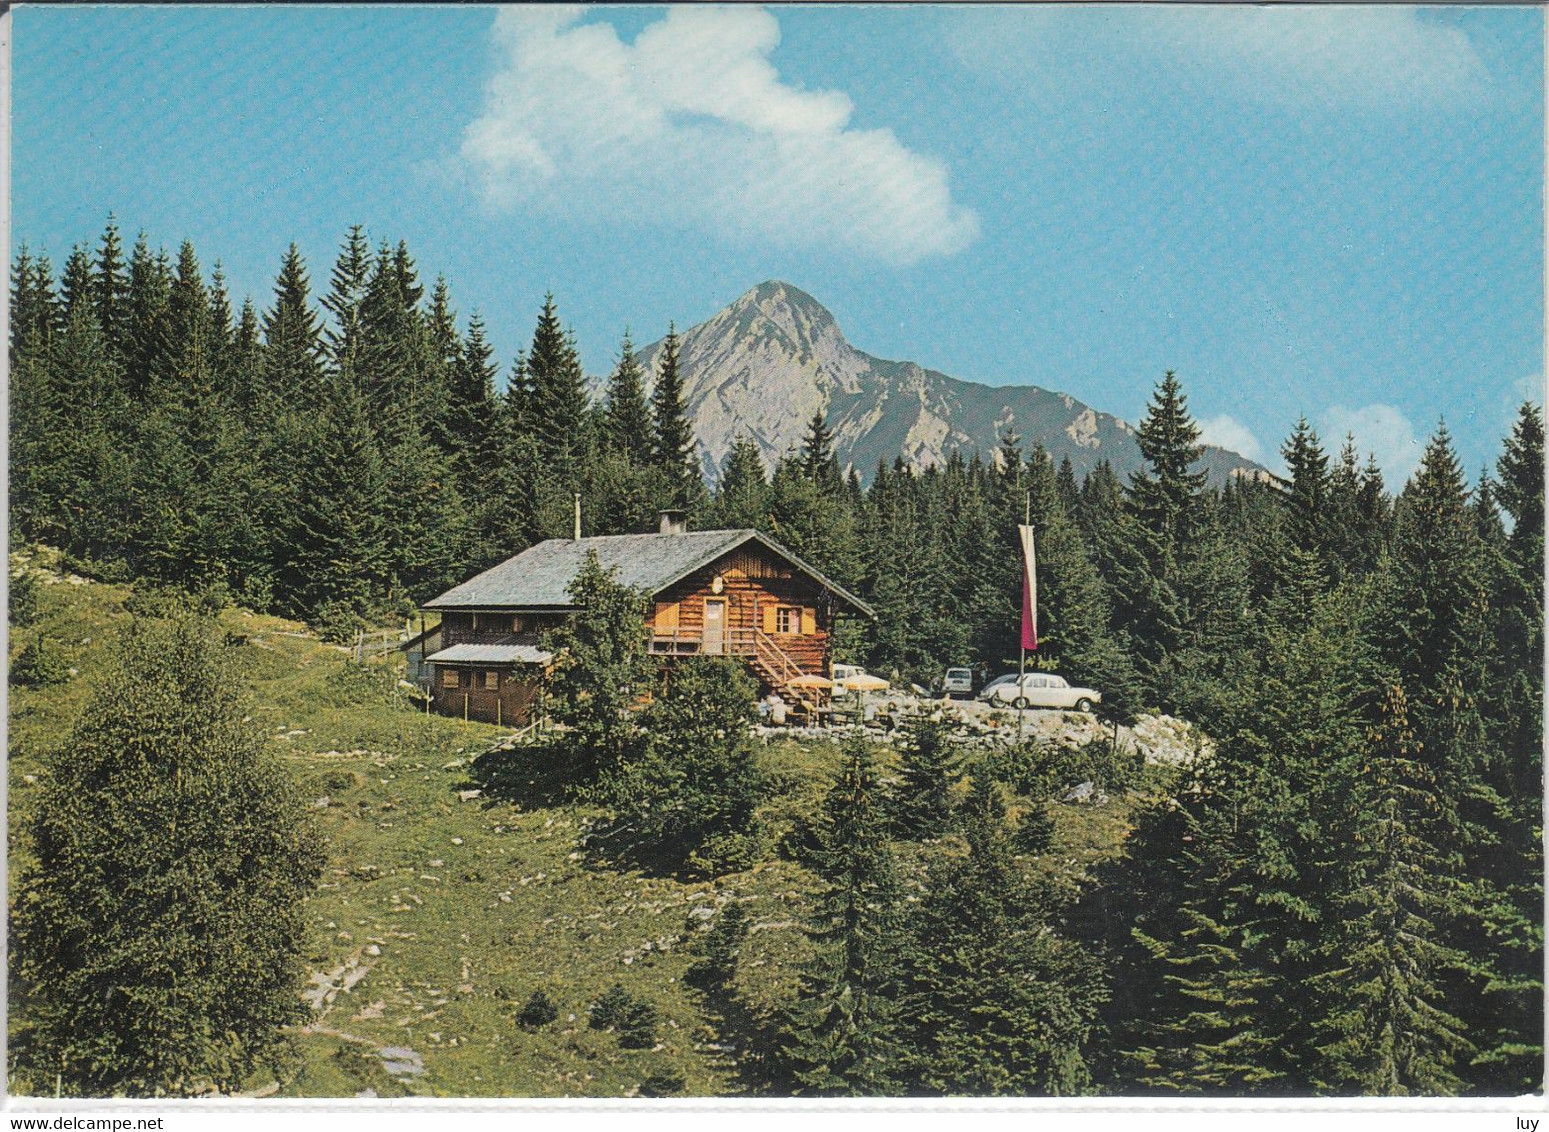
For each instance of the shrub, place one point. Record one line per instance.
(717, 965)
(611, 1009)
(539, 1011)
(686, 793)
(23, 598)
(38, 666)
(337, 622)
(662, 1083)
(1036, 832)
(637, 1030)
(149, 599)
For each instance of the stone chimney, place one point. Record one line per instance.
(674, 522)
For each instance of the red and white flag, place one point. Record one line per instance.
(1029, 590)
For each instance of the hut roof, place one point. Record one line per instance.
(490, 654)
(537, 578)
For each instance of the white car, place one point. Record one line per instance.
(1040, 690)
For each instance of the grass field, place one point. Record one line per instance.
(451, 895)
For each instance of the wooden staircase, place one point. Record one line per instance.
(776, 667)
(772, 663)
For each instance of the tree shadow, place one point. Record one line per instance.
(535, 776)
(747, 1040)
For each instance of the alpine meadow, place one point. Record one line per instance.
(479, 628)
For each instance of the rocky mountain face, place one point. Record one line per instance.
(764, 365)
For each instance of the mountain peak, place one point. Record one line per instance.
(776, 291)
(775, 309)
(765, 365)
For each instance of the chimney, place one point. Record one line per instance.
(578, 516)
(674, 523)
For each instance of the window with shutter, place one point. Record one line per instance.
(449, 677)
(491, 680)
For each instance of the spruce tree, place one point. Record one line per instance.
(347, 290)
(110, 290)
(556, 405)
(472, 406)
(600, 670)
(292, 369)
(840, 1037)
(147, 325)
(818, 461)
(336, 545)
(1307, 497)
(77, 288)
(1165, 496)
(742, 493)
(673, 448)
(1384, 1027)
(160, 935)
(930, 762)
(629, 424)
(999, 1003)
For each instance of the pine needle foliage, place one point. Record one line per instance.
(159, 939)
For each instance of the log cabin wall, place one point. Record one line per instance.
(510, 703)
(491, 628)
(755, 586)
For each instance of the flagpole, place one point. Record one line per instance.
(1027, 519)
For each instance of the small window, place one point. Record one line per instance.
(787, 621)
(491, 680)
(516, 623)
(449, 677)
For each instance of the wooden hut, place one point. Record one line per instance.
(713, 593)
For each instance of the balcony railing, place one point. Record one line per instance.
(754, 643)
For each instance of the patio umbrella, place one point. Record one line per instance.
(810, 681)
(865, 682)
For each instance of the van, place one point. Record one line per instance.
(957, 682)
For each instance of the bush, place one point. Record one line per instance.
(38, 666)
(1036, 832)
(539, 1011)
(23, 598)
(148, 599)
(638, 1028)
(611, 1009)
(662, 1083)
(337, 623)
(213, 598)
(717, 965)
(685, 794)
(634, 1019)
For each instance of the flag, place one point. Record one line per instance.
(1029, 590)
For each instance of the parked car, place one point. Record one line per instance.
(1040, 690)
(956, 682)
(854, 678)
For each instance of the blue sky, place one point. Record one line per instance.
(1329, 211)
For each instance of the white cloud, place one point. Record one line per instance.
(1380, 430)
(1382, 56)
(691, 125)
(1226, 431)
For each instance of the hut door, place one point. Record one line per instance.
(715, 627)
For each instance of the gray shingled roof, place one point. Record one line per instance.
(537, 577)
(490, 654)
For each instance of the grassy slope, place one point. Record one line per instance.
(442, 915)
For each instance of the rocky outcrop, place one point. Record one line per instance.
(766, 364)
